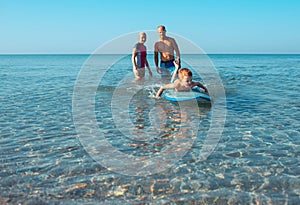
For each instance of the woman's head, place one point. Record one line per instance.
(142, 37)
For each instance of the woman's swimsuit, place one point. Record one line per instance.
(141, 56)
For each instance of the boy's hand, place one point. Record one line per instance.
(177, 61)
(176, 64)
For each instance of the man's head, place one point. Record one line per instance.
(161, 30)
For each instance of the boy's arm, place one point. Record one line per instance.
(159, 92)
(162, 88)
(201, 86)
(175, 71)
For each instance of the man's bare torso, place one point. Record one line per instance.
(165, 48)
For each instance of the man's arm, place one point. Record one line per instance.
(156, 58)
(156, 62)
(175, 46)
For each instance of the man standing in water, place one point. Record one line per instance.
(166, 47)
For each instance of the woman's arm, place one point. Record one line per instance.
(134, 54)
(149, 70)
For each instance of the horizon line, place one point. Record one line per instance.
(149, 53)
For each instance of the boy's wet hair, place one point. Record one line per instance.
(185, 72)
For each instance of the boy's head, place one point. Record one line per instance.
(185, 72)
(185, 76)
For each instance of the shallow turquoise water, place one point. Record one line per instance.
(256, 160)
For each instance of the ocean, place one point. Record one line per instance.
(78, 131)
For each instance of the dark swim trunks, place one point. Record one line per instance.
(167, 67)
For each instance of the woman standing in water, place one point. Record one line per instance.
(139, 58)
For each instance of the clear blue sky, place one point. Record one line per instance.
(81, 26)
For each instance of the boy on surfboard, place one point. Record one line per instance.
(184, 82)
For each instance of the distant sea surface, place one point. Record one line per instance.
(256, 161)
